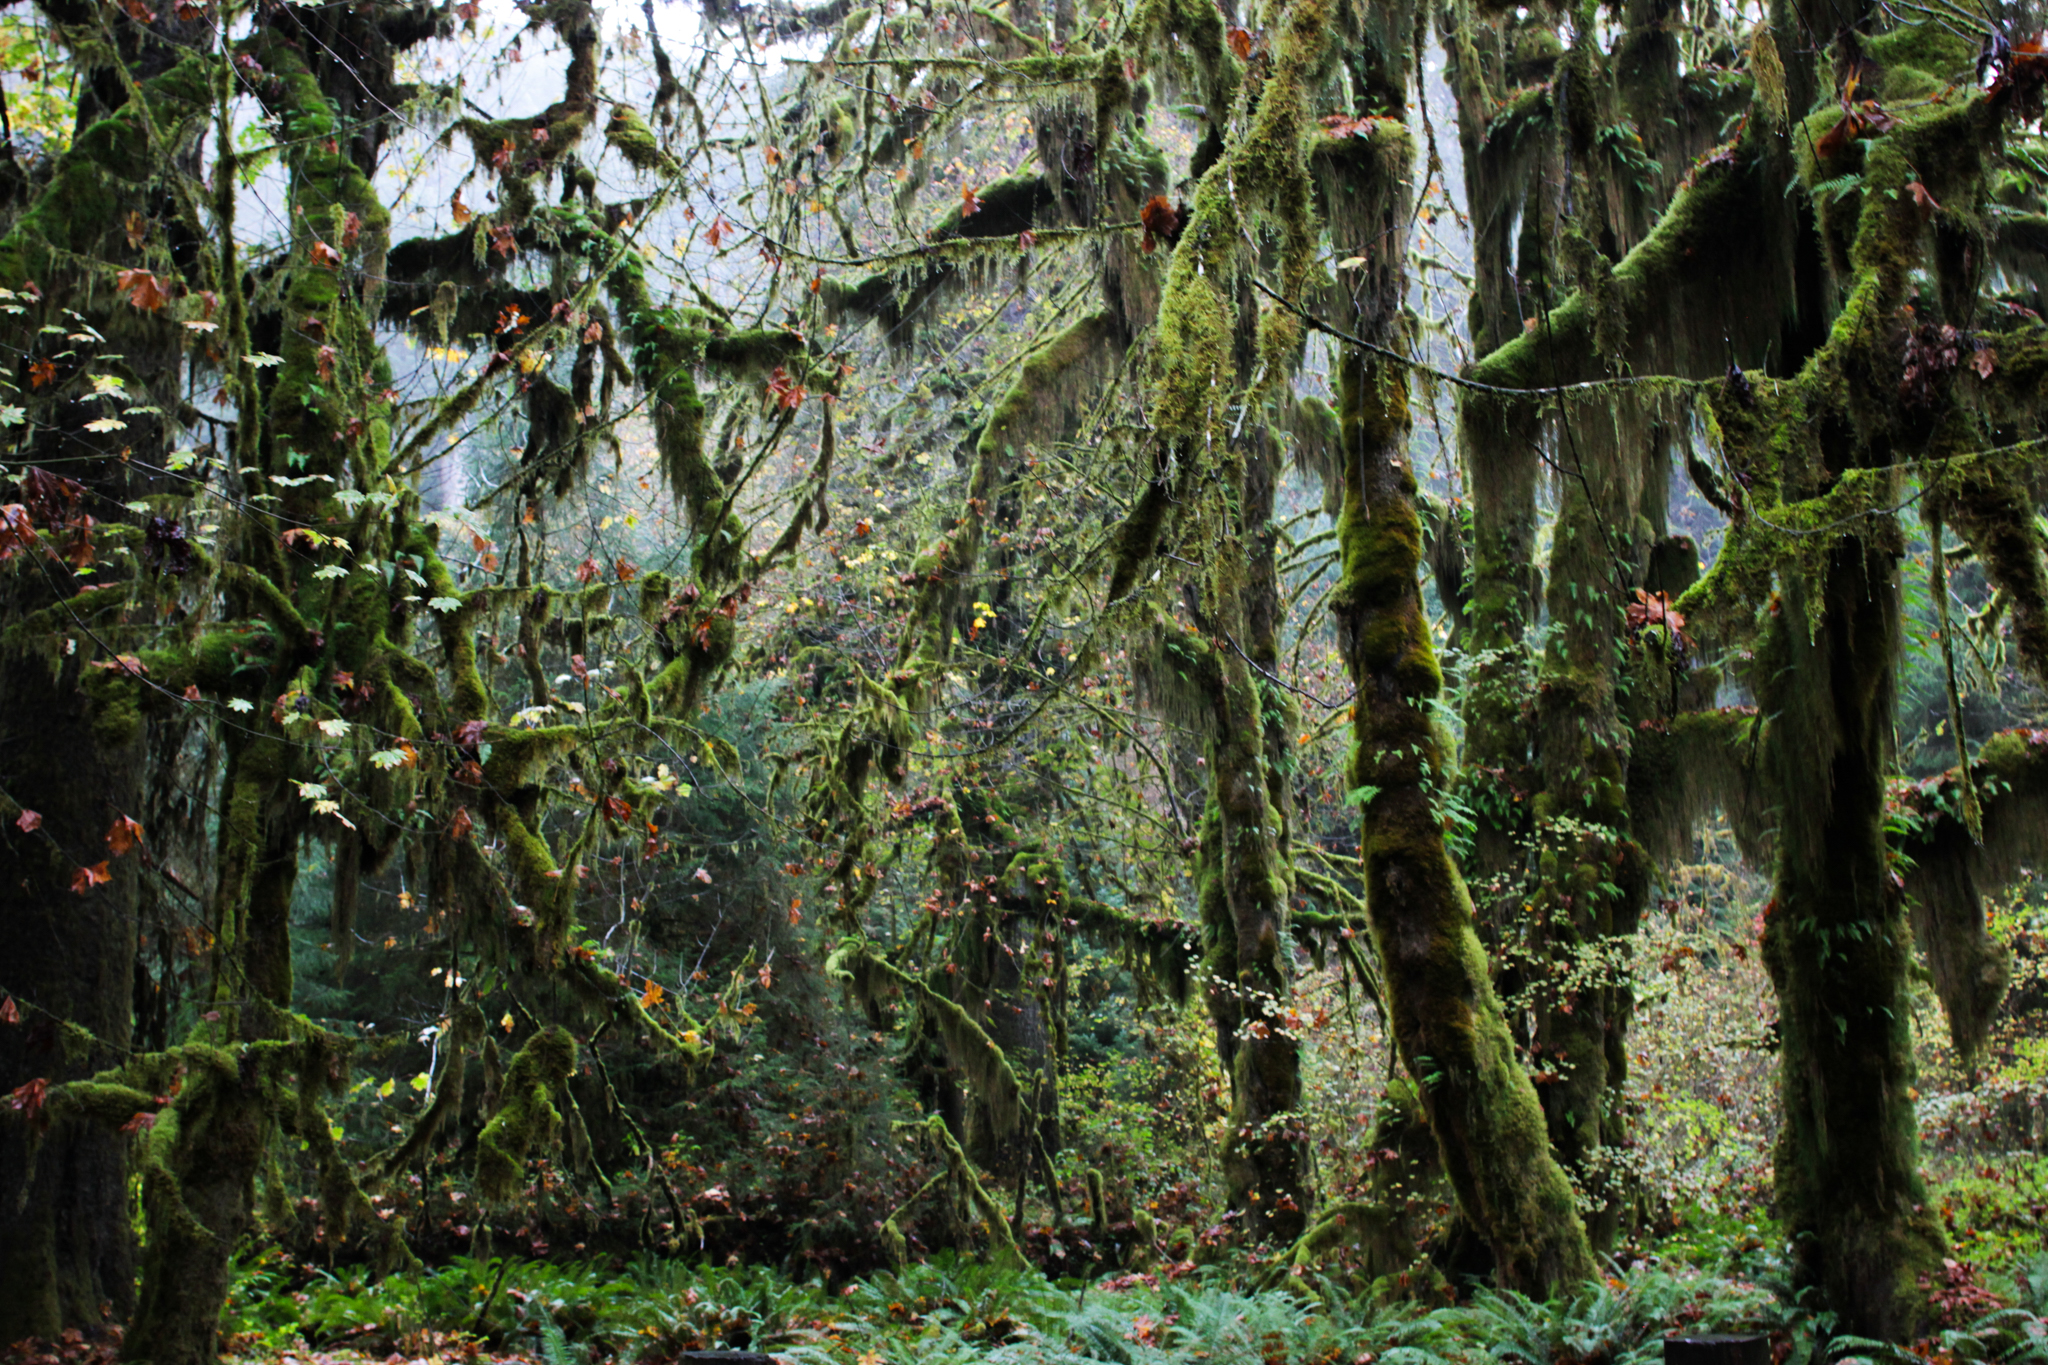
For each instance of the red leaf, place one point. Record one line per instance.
(123, 835)
(1161, 220)
(125, 663)
(29, 1098)
(144, 289)
(10, 1013)
(587, 571)
(469, 734)
(141, 1123)
(462, 824)
(28, 822)
(86, 878)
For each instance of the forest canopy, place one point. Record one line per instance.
(1258, 679)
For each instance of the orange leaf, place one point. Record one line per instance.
(123, 835)
(86, 878)
(463, 212)
(326, 255)
(462, 824)
(144, 289)
(1240, 42)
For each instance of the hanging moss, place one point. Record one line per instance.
(527, 1120)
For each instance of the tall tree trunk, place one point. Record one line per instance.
(67, 960)
(1245, 871)
(1839, 950)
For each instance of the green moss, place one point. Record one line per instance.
(527, 1120)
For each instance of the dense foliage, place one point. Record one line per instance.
(1332, 679)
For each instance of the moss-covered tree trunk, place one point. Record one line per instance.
(1244, 871)
(1446, 1020)
(1590, 876)
(1839, 950)
(67, 961)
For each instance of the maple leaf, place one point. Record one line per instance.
(783, 388)
(970, 202)
(141, 1123)
(502, 158)
(42, 374)
(123, 835)
(136, 227)
(718, 231)
(502, 242)
(326, 255)
(587, 571)
(29, 1098)
(325, 358)
(10, 1013)
(139, 12)
(28, 822)
(463, 212)
(1984, 361)
(701, 875)
(578, 668)
(86, 878)
(1026, 240)
(510, 319)
(651, 997)
(123, 663)
(190, 10)
(625, 569)
(1240, 41)
(469, 734)
(1162, 222)
(144, 289)
(462, 824)
(351, 228)
(593, 334)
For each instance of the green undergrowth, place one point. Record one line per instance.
(957, 1309)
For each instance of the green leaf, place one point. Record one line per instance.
(1358, 796)
(330, 571)
(445, 604)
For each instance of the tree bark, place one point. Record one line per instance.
(67, 960)
(1838, 949)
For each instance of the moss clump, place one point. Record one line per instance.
(527, 1120)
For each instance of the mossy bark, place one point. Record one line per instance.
(1590, 876)
(1838, 948)
(1446, 1020)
